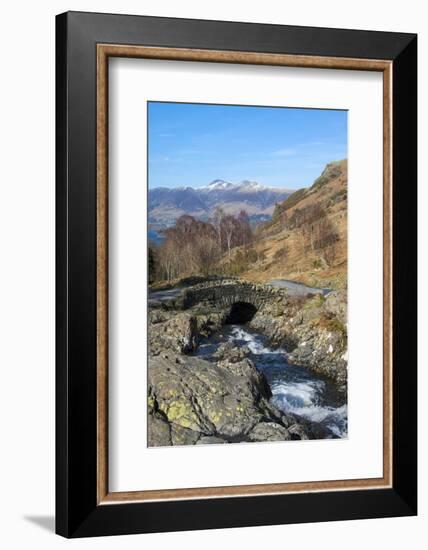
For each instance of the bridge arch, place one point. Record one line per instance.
(240, 313)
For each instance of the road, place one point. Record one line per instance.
(298, 289)
(157, 296)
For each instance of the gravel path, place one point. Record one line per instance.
(298, 289)
(157, 296)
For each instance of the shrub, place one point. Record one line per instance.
(281, 253)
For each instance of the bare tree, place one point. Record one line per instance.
(190, 247)
(195, 247)
(245, 233)
(217, 218)
(229, 227)
(317, 230)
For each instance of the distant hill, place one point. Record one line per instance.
(168, 204)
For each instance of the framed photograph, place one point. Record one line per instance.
(236, 274)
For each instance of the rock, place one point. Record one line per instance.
(298, 431)
(269, 431)
(183, 436)
(313, 332)
(210, 439)
(159, 432)
(246, 369)
(336, 305)
(178, 333)
(231, 353)
(157, 316)
(323, 352)
(208, 321)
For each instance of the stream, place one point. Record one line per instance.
(295, 389)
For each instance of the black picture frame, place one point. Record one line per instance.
(77, 511)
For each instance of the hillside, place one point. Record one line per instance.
(168, 204)
(306, 240)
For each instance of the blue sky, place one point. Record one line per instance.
(192, 144)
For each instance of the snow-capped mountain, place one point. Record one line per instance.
(167, 204)
(245, 185)
(217, 184)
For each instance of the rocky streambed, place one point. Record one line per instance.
(224, 370)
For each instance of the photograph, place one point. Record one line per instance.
(212, 275)
(247, 254)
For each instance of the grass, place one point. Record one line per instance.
(293, 199)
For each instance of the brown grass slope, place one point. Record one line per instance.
(306, 240)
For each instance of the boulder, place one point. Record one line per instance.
(178, 333)
(183, 436)
(159, 431)
(335, 305)
(269, 431)
(298, 431)
(210, 440)
(200, 398)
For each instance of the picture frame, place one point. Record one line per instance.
(84, 44)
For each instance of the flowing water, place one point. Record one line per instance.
(295, 389)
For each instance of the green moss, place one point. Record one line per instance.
(338, 326)
(315, 302)
(319, 300)
(332, 324)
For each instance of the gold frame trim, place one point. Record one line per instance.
(104, 51)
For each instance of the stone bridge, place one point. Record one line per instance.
(225, 293)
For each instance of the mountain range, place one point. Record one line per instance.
(166, 204)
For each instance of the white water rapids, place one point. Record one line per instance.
(295, 389)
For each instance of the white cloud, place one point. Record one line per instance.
(287, 152)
